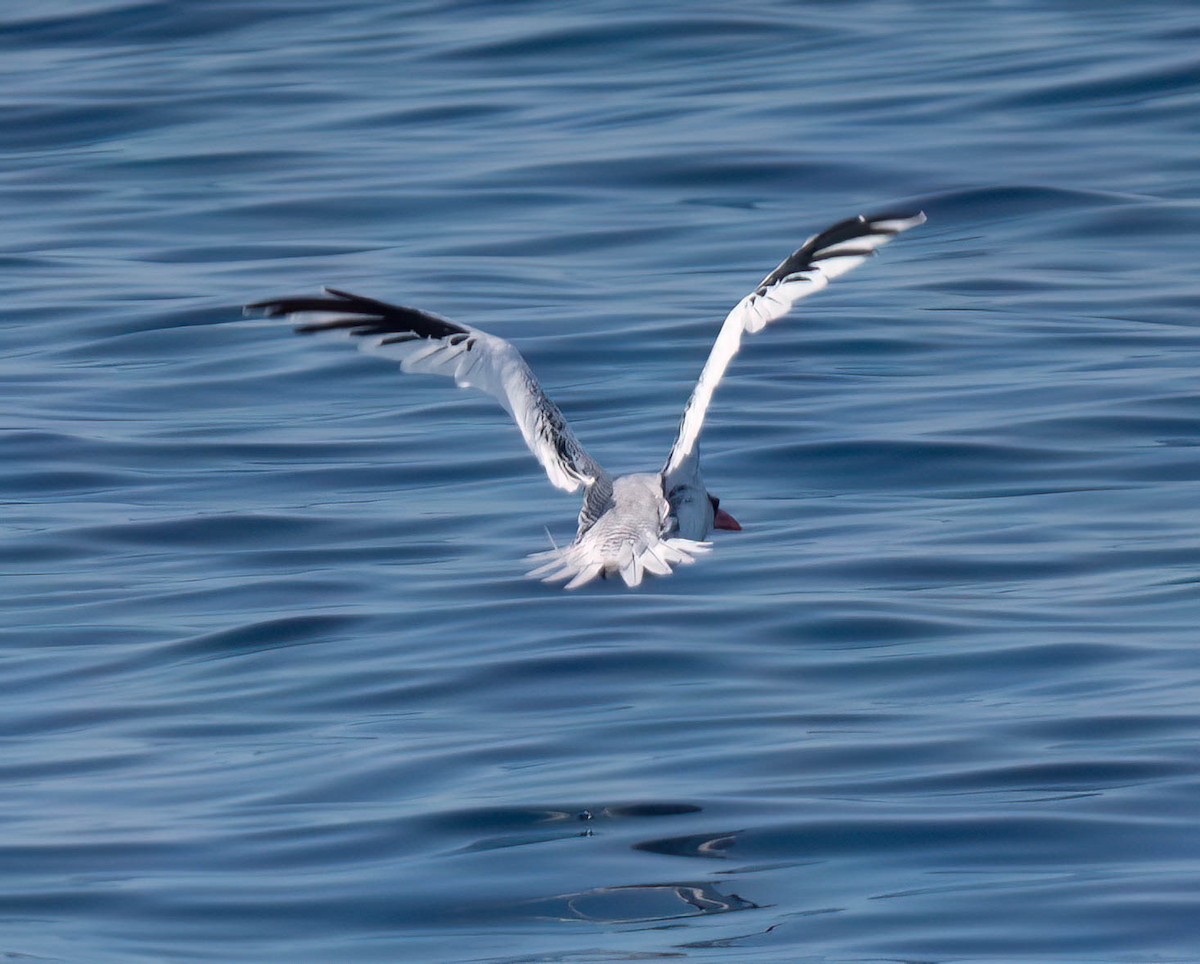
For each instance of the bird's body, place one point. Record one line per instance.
(631, 524)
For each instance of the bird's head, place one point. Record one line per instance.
(721, 518)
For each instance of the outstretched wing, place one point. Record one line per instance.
(810, 268)
(423, 343)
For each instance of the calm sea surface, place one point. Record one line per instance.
(272, 686)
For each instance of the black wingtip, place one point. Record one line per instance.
(278, 307)
(360, 316)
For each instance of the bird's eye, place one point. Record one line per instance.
(716, 503)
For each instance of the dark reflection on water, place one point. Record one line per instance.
(273, 687)
(699, 845)
(644, 902)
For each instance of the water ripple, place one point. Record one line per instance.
(274, 688)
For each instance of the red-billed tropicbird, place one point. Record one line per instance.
(631, 524)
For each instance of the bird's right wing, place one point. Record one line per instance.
(426, 344)
(806, 271)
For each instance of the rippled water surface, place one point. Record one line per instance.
(273, 684)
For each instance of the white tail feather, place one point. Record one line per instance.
(577, 563)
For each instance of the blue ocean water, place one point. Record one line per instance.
(273, 685)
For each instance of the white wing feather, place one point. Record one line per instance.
(424, 343)
(810, 268)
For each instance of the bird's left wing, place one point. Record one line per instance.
(426, 344)
(806, 271)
